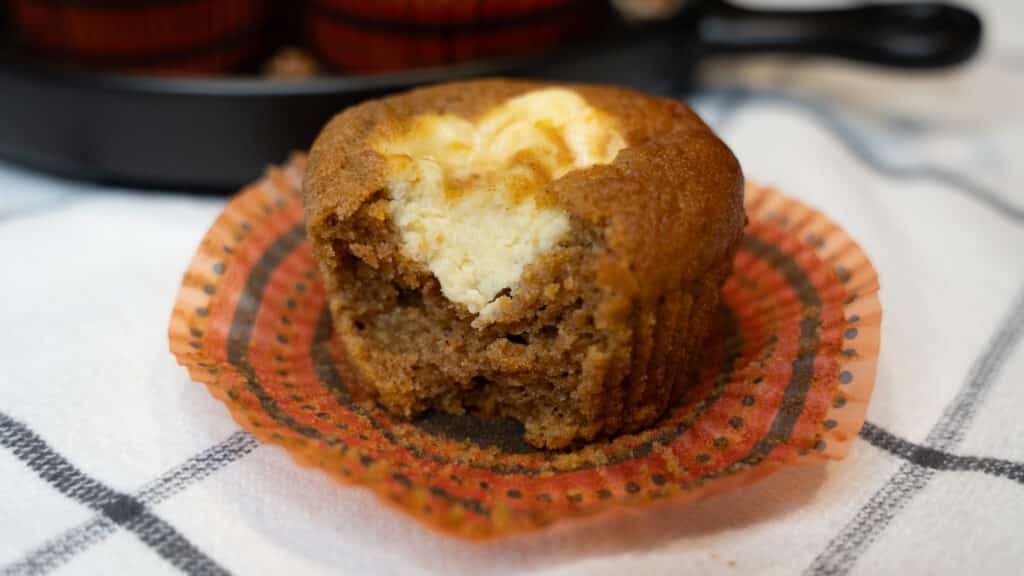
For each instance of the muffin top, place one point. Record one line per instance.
(481, 177)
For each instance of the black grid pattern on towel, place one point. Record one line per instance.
(920, 461)
(115, 509)
(923, 462)
(131, 511)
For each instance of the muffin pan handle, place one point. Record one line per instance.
(904, 35)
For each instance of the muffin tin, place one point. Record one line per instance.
(217, 132)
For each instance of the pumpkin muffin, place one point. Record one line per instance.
(543, 252)
(158, 37)
(406, 34)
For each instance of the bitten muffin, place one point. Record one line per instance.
(547, 253)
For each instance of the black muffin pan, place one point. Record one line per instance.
(218, 133)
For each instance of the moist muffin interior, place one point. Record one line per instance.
(504, 329)
(526, 364)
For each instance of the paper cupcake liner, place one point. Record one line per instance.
(186, 36)
(356, 36)
(787, 378)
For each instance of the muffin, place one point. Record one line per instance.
(180, 37)
(547, 253)
(357, 36)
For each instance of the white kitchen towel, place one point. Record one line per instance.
(113, 461)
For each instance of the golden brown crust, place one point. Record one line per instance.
(655, 232)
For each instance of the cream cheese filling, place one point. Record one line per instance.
(464, 193)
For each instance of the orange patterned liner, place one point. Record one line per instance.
(787, 377)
